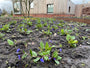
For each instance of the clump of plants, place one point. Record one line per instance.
(39, 26)
(65, 31)
(48, 32)
(5, 28)
(22, 29)
(45, 54)
(29, 23)
(71, 40)
(2, 35)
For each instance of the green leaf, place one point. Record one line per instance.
(68, 37)
(73, 37)
(75, 41)
(57, 61)
(62, 31)
(42, 45)
(10, 42)
(37, 59)
(24, 56)
(46, 46)
(59, 58)
(34, 54)
(55, 54)
(44, 53)
(29, 31)
(53, 46)
(60, 45)
(31, 52)
(46, 58)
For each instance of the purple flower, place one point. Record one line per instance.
(42, 60)
(49, 58)
(54, 22)
(50, 41)
(60, 49)
(18, 50)
(52, 29)
(21, 27)
(42, 22)
(19, 57)
(54, 58)
(72, 26)
(0, 26)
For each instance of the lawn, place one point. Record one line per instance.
(44, 43)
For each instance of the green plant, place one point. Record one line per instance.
(39, 26)
(45, 53)
(47, 32)
(2, 35)
(55, 27)
(13, 22)
(45, 24)
(5, 27)
(56, 57)
(10, 42)
(61, 21)
(25, 31)
(29, 23)
(61, 24)
(71, 40)
(65, 32)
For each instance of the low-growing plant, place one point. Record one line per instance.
(25, 31)
(54, 27)
(56, 57)
(2, 35)
(71, 40)
(13, 22)
(10, 42)
(45, 24)
(39, 26)
(45, 53)
(29, 23)
(61, 24)
(5, 27)
(65, 32)
(47, 32)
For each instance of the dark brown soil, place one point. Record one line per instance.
(78, 57)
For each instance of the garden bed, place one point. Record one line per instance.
(22, 41)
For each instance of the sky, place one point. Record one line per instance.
(79, 1)
(7, 5)
(75, 1)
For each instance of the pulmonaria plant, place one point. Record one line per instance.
(5, 27)
(2, 35)
(65, 31)
(10, 42)
(48, 32)
(71, 40)
(45, 53)
(29, 23)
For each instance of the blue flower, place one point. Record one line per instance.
(49, 58)
(0, 26)
(19, 57)
(60, 49)
(42, 60)
(54, 58)
(21, 27)
(50, 41)
(72, 26)
(42, 22)
(18, 50)
(52, 29)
